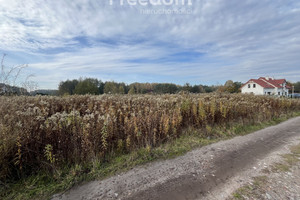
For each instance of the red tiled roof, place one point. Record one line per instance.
(262, 83)
(271, 83)
(280, 81)
(276, 82)
(259, 82)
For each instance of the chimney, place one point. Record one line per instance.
(267, 78)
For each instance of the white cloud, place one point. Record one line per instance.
(238, 38)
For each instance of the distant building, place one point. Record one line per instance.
(266, 86)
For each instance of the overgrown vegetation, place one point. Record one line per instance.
(55, 139)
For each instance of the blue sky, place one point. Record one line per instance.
(219, 40)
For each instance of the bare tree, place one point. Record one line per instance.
(28, 84)
(9, 79)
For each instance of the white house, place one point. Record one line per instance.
(266, 86)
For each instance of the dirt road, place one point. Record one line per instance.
(211, 172)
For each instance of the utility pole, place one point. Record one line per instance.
(293, 89)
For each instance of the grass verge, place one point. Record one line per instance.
(43, 185)
(258, 187)
(252, 189)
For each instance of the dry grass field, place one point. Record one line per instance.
(50, 133)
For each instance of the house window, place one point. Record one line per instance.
(269, 93)
(249, 86)
(254, 85)
(285, 93)
(279, 93)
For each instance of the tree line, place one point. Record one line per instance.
(94, 86)
(296, 86)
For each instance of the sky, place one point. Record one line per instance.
(200, 42)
